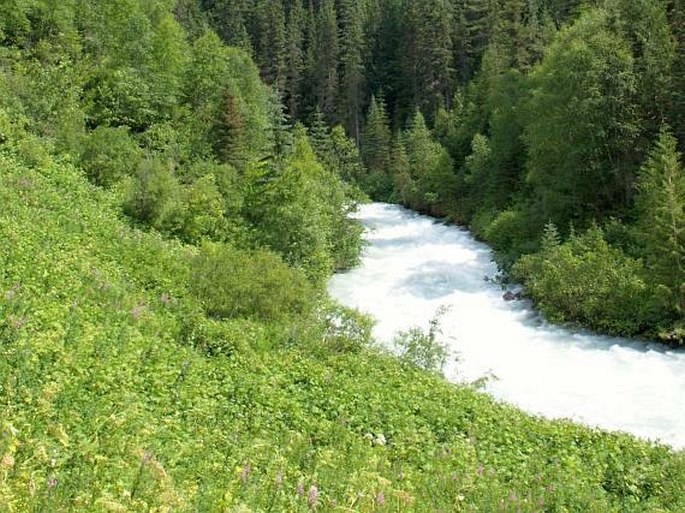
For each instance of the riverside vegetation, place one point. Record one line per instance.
(166, 343)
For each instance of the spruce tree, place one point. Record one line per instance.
(661, 201)
(352, 47)
(229, 131)
(399, 171)
(376, 138)
(294, 58)
(326, 54)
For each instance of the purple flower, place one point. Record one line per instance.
(137, 311)
(52, 482)
(313, 496)
(380, 499)
(300, 488)
(245, 473)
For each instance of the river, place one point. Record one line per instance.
(413, 265)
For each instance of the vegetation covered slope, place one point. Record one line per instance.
(119, 394)
(165, 339)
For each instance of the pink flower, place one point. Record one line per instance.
(313, 496)
(380, 499)
(300, 488)
(245, 473)
(52, 482)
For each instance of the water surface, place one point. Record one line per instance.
(414, 265)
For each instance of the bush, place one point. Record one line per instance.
(585, 280)
(423, 349)
(109, 154)
(233, 283)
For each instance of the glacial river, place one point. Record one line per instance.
(414, 265)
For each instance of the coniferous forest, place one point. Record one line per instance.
(176, 184)
(552, 129)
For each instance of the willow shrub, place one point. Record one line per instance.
(586, 280)
(233, 283)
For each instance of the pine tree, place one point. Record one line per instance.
(319, 135)
(376, 138)
(676, 17)
(661, 200)
(352, 47)
(229, 131)
(228, 16)
(326, 55)
(294, 58)
(269, 36)
(434, 66)
(399, 171)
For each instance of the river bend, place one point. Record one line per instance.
(413, 265)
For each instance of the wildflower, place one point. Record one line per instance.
(245, 473)
(137, 311)
(147, 457)
(16, 322)
(313, 496)
(279, 478)
(380, 499)
(165, 298)
(12, 292)
(52, 482)
(7, 461)
(300, 488)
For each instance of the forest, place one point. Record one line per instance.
(176, 184)
(551, 129)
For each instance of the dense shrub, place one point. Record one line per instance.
(234, 283)
(109, 154)
(586, 280)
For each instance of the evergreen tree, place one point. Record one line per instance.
(352, 49)
(319, 135)
(270, 42)
(676, 17)
(326, 51)
(229, 131)
(228, 16)
(294, 58)
(661, 200)
(376, 140)
(399, 171)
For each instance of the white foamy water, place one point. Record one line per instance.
(414, 265)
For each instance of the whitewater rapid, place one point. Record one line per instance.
(413, 265)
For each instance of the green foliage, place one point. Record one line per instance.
(661, 202)
(110, 154)
(301, 212)
(232, 283)
(423, 349)
(151, 370)
(582, 123)
(119, 393)
(587, 281)
(375, 149)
